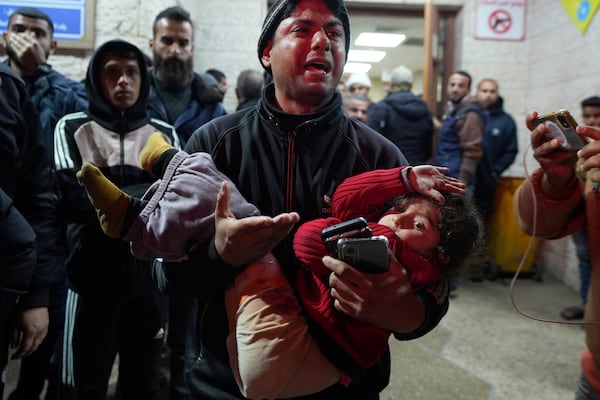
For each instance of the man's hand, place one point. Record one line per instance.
(557, 163)
(31, 330)
(27, 50)
(241, 241)
(429, 181)
(385, 300)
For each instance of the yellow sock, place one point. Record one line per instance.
(152, 150)
(110, 202)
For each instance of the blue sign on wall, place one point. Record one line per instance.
(68, 16)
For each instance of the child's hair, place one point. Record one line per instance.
(462, 241)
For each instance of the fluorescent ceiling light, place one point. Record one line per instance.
(379, 39)
(351, 67)
(366, 55)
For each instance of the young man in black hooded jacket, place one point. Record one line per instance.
(113, 305)
(289, 154)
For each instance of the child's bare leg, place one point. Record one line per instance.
(110, 202)
(155, 146)
(271, 352)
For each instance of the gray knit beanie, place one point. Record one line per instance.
(282, 9)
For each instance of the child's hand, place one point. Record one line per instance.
(430, 180)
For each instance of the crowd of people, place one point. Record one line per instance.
(138, 214)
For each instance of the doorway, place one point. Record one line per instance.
(427, 49)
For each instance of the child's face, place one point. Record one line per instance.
(416, 225)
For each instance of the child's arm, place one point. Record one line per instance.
(365, 194)
(180, 211)
(271, 352)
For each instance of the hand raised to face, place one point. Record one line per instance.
(430, 180)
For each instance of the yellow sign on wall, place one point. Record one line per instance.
(581, 12)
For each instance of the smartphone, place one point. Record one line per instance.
(561, 125)
(357, 227)
(369, 255)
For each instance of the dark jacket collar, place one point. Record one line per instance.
(328, 115)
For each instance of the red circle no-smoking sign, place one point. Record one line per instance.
(500, 21)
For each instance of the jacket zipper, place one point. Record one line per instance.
(122, 158)
(122, 153)
(289, 190)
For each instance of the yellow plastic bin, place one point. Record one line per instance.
(507, 243)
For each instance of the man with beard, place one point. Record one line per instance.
(461, 133)
(178, 95)
(500, 146)
(28, 42)
(186, 100)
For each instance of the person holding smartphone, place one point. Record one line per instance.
(288, 155)
(432, 233)
(559, 198)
